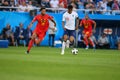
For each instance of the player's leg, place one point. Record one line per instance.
(91, 41)
(37, 41)
(31, 42)
(86, 40)
(72, 37)
(53, 39)
(65, 37)
(40, 37)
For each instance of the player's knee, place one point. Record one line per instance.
(65, 38)
(37, 41)
(71, 39)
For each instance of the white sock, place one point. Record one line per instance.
(63, 46)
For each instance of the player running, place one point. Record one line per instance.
(70, 17)
(41, 28)
(88, 30)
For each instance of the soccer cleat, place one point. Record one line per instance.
(62, 53)
(87, 47)
(94, 48)
(27, 52)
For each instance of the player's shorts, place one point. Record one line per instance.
(40, 34)
(69, 32)
(87, 33)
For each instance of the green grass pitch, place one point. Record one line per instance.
(44, 63)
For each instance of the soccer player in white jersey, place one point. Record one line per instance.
(70, 23)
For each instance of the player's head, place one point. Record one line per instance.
(86, 17)
(70, 8)
(43, 10)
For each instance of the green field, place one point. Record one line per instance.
(44, 63)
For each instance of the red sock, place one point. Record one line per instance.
(30, 44)
(91, 43)
(86, 41)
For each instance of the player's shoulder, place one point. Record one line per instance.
(83, 19)
(91, 20)
(65, 13)
(74, 12)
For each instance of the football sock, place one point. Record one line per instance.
(63, 46)
(86, 41)
(92, 43)
(30, 45)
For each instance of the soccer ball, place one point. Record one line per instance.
(74, 51)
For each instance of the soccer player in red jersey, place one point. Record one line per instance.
(41, 28)
(88, 30)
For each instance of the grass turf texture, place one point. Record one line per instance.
(45, 63)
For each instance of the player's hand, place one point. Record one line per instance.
(64, 29)
(55, 25)
(30, 26)
(53, 29)
(76, 28)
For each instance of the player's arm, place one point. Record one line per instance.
(94, 26)
(35, 19)
(53, 22)
(63, 25)
(77, 23)
(63, 22)
(81, 23)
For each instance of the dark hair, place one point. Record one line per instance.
(42, 8)
(70, 7)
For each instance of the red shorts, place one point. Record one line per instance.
(40, 34)
(87, 33)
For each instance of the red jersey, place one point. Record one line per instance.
(87, 24)
(43, 22)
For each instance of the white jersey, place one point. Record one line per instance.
(69, 20)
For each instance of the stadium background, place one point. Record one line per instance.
(103, 22)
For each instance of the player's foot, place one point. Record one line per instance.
(27, 52)
(62, 53)
(94, 48)
(87, 47)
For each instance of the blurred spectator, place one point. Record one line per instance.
(7, 34)
(52, 30)
(115, 5)
(54, 3)
(22, 7)
(19, 33)
(100, 7)
(45, 3)
(89, 4)
(30, 6)
(103, 42)
(21, 2)
(63, 3)
(104, 5)
(12, 4)
(74, 4)
(28, 34)
(6, 4)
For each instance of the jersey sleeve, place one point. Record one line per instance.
(50, 17)
(76, 15)
(92, 22)
(63, 18)
(81, 22)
